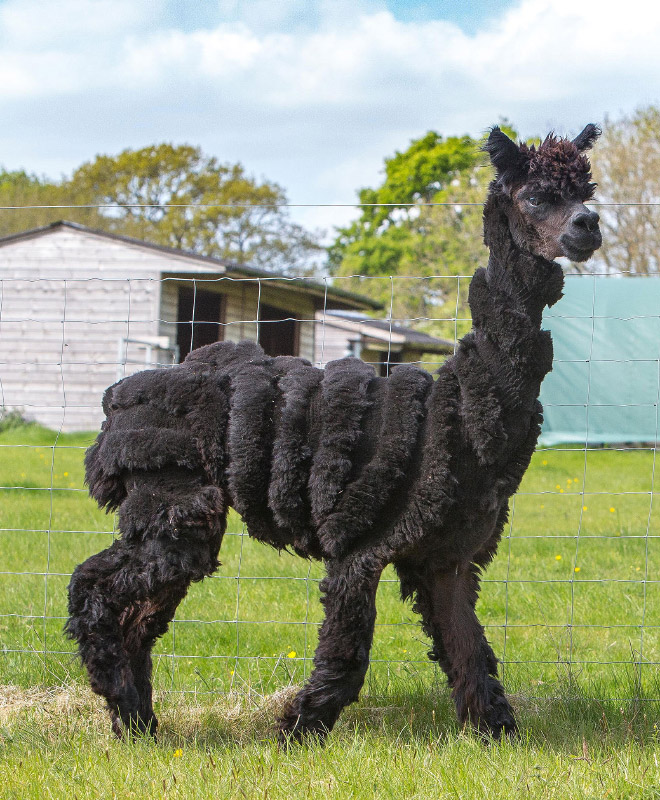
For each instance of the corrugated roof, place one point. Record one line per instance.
(387, 329)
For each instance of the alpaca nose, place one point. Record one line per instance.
(587, 219)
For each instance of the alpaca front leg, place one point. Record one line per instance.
(446, 600)
(478, 695)
(342, 656)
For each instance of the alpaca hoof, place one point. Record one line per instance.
(293, 728)
(499, 720)
(132, 726)
(495, 733)
(300, 735)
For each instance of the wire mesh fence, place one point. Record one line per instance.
(573, 595)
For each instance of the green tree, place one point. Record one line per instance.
(20, 195)
(419, 232)
(170, 195)
(626, 165)
(177, 196)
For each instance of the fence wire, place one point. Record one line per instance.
(574, 592)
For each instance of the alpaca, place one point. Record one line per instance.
(341, 465)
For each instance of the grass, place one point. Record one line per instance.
(56, 744)
(570, 604)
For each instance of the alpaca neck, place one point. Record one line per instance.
(519, 280)
(507, 301)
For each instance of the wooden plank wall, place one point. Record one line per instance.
(67, 301)
(70, 299)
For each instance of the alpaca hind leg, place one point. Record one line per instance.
(122, 600)
(342, 655)
(446, 600)
(142, 625)
(414, 585)
(94, 613)
(191, 556)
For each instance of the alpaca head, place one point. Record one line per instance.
(543, 191)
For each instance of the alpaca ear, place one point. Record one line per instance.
(586, 139)
(504, 153)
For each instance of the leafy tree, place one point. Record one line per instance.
(411, 254)
(626, 165)
(177, 196)
(174, 196)
(19, 193)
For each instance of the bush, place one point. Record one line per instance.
(11, 418)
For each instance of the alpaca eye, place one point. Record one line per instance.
(534, 201)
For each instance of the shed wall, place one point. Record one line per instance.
(79, 311)
(73, 307)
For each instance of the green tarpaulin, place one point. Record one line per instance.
(605, 382)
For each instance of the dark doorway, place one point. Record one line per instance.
(278, 333)
(198, 319)
(385, 363)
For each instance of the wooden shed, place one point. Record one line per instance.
(81, 308)
(380, 342)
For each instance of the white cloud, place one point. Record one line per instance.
(31, 24)
(314, 100)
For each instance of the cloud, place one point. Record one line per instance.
(311, 94)
(31, 24)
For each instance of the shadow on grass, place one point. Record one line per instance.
(401, 711)
(572, 721)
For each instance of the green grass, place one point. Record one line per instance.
(579, 651)
(57, 745)
(547, 621)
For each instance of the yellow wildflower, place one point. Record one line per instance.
(178, 753)
(612, 510)
(577, 569)
(557, 558)
(292, 654)
(584, 508)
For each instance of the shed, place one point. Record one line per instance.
(82, 308)
(380, 342)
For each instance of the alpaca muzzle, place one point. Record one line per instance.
(583, 236)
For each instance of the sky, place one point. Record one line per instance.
(311, 94)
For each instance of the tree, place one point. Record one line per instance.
(174, 196)
(178, 197)
(626, 165)
(20, 192)
(411, 254)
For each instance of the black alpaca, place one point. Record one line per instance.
(343, 466)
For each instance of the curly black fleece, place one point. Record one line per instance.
(337, 464)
